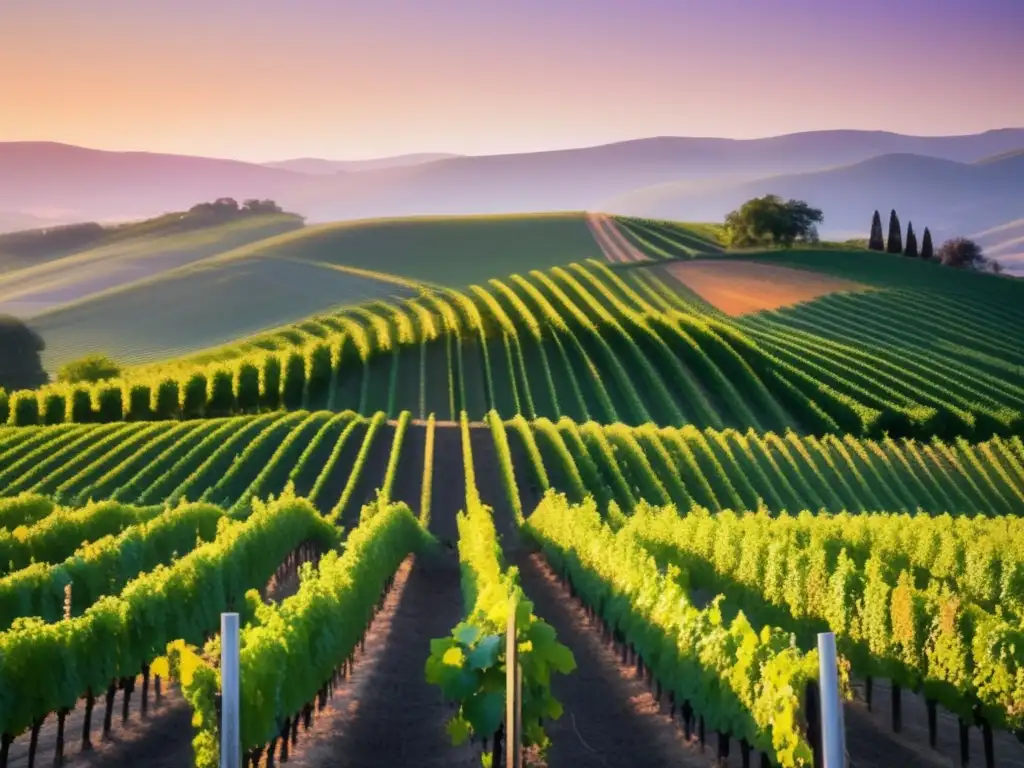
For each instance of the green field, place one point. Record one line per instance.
(34, 281)
(92, 301)
(447, 250)
(480, 410)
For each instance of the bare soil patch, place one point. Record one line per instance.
(409, 473)
(386, 714)
(371, 476)
(611, 718)
(742, 287)
(448, 485)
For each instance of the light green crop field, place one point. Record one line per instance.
(451, 250)
(237, 292)
(200, 306)
(122, 256)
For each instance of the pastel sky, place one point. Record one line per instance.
(346, 79)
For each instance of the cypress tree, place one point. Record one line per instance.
(911, 249)
(926, 245)
(895, 234)
(875, 241)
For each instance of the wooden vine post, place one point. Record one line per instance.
(513, 697)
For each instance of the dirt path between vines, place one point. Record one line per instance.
(371, 476)
(409, 473)
(387, 714)
(616, 248)
(610, 719)
(163, 740)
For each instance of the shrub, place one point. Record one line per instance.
(24, 409)
(318, 373)
(247, 387)
(54, 408)
(194, 397)
(220, 399)
(109, 402)
(294, 384)
(139, 398)
(270, 381)
(81, 405)
(168, 399)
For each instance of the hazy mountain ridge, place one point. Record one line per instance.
(949, 197)
(319, 166)
(951, 183)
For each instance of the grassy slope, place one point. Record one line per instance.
(123, 255)
(200, 307)
(282, 279)
(451, 250)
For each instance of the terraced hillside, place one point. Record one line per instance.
(678, 487)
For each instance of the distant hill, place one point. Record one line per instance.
(85, 184)
(88, 184)
(138, 306)
(314, 165)
(952, 198)
(42, 270)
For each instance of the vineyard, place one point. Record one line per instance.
(673, 499)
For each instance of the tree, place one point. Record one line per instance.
(895, 244)
(911, 249)
(769, 220)
(961, 252)
(91, 368)
(875, 241)
(20, 364)
(926, 245)
(260, 206)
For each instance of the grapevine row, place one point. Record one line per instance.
(588, 342)
(469, 665)
(741, 682)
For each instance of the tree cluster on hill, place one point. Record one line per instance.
(959, 252)
(20, 364)
(91, 368)
(769, 220)
(227, 207)
(42, 242)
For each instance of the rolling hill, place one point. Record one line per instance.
(45, 270)
(273, 281)
(80, 184)
(865, 408)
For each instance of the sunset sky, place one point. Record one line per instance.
(273, 79)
